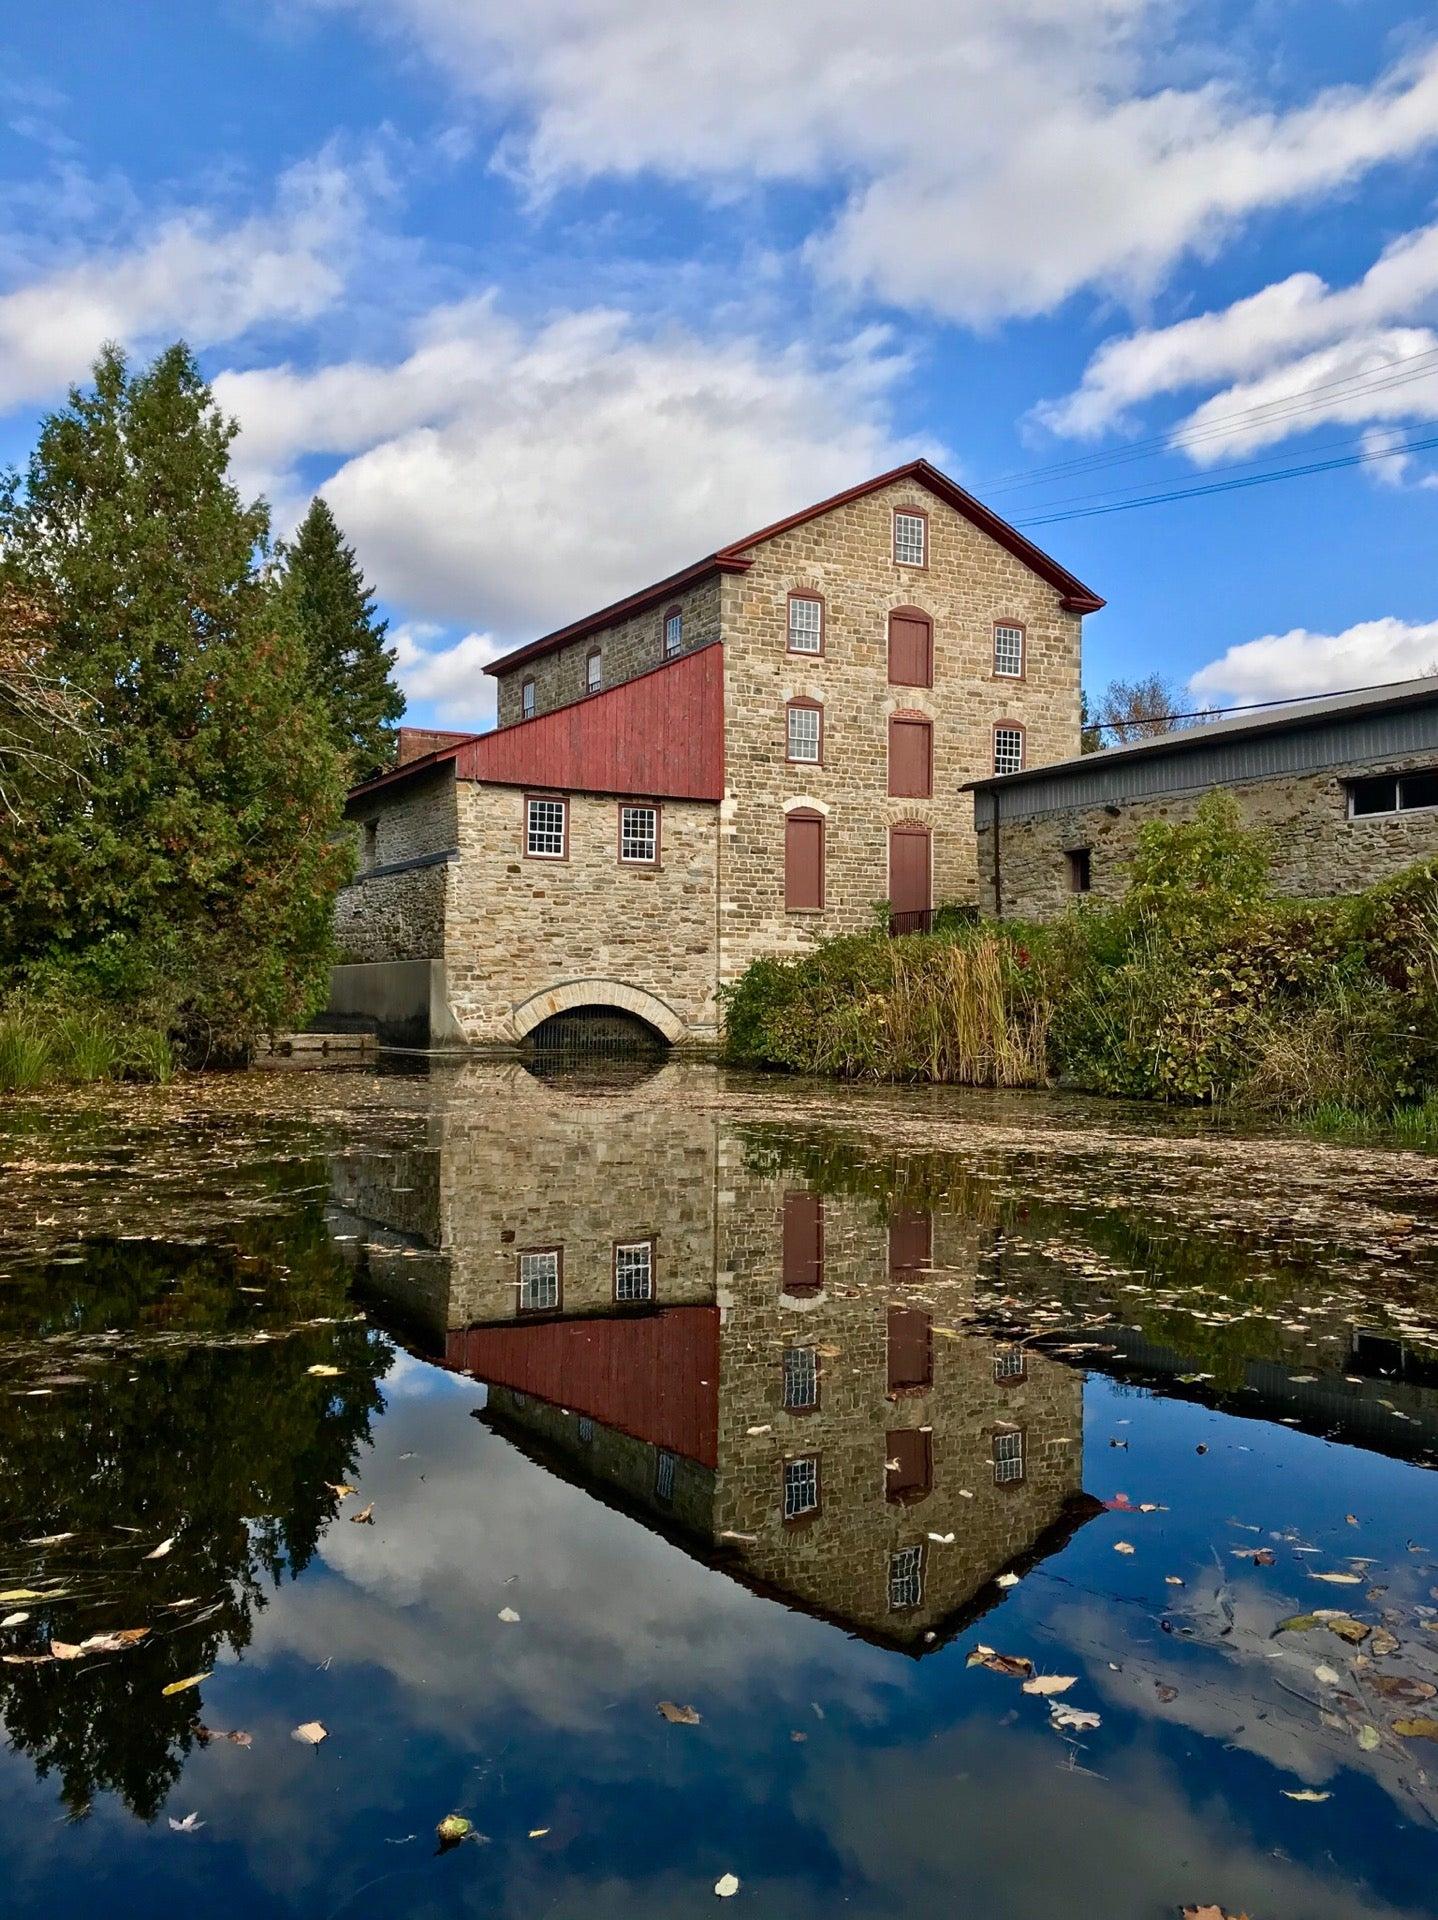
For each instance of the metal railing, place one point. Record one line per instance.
(920, 920)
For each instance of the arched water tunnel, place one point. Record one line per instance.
(594, 1032)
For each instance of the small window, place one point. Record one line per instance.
(664, 1465)
(1079, 862)
(1009, 651)
(806, 623)
(371, 843)
(673, 632)
(908, 1466)
(1009, 1457)
(803, 862)
(539, 1280)
(1010, 1363)
(639, 836)
(1373, 796)
(906, 1579)
(1418, 790)
(1008, 749)
(526, 700)
(594, 671)
(801, 1379)
(911, 539)
(546, 829)
(806, 734)
(801, 1487)
(634, 1271)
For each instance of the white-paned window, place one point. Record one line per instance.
(526, 700)
(911, 532)
(806, 625)
(634, 1271)
(906, 1578)
(544, 829)
(1008, 749)
(1008, 1457)
(664, 1464)
(801, 1379)
(539, 1281)
(1009, 1363)
(801, 1487)
(594, 673)
(804, 732)
(639, 836)
(673, 634)
(1009, 651)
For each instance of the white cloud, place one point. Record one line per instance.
(193, 275)
(448, 679)
(517, 478)
(994, 158)
(1283, 664)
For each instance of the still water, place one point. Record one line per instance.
(890, 1502)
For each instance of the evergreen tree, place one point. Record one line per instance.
(198, 861)
(348, 658)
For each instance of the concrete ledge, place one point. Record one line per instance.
(405, 1003)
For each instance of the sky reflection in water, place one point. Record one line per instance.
(806, 1324)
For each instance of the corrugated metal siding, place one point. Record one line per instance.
(655, 1376)
(1363, 738)
(660, 735)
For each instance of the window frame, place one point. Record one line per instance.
(809, 1513)
(638, 806)
(816, 599)
(801, 1409)
(807, 814)
(1014, 626)
(559, 800)
(908, 613)
(1010, 726)
(915, 1557)
(803, 703)
(630, 1246)
(594, 682)
(666, 652)
(528, 699)
(920, 514)
(1351, 786)
(520, 1256)
(907, 717)
(1011, 1479)
(1006, 1373)
(1078, 864)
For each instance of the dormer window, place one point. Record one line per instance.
(911, 538)
(594, 671)
(673, 632)
(526, 700)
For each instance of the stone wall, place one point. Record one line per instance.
(627, 648)
(520, 927)
(968, 585)
(393, 910)
(1316, 850)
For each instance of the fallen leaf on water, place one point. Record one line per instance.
(1013, 1665)
(1424, 1727)
(1400, 1686)
(1338, 1579)
(1051, 1683)
(311, 1733)
(339, 1489)
(17, 1594)
(1078, 1718)
(1326, 1675)
(538, 1833)
(163, 1548)
(27, 1659)
(49, 1539)
(183, 1686)
(14, 1620)
(323, 1372)
(205, 1734)
(1007, 1580)
(1172, 1580)
(1122, 1546)
(678, 1716)
(1368, 1738)
(1383, 1642)
(364, 1518)
(1351, 1518)
(753, 1433)
(1211, 1913)
(1165, 1693)
(100, 1643)
(1306, 1793)
(1353, 1631)
(190, 1824)
(727, 1886)
(942, 1539)
(452, 1829)
(508, 1616)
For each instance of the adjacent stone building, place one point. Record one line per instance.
(1345, 788)
(757, 752)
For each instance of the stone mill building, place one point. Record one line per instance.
(759, 751)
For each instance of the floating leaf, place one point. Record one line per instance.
(538, 1833)
(364, 1518)
(160, 1551)
(1211, 1913)
(339, 1489)
(1051, 1683)
(1353, 1631)
(1014, 1666)
(678, 1716)
(1382, 1642)
(727, 1886)
(183, 1686)
(1007, 1580)
(1326, 1675)
(1306, 1793)
(323, 1372)
(1401, 1686)
(1424, 1727)
(1338, 1579)
(310, 1733)
(452, 1829)
(1368, 1738)
(1165, 1693)
(17, 1594)
(14, 1620)
(190, 1824)
(1122, 1546)
(1061, 1714)
(508, 1616)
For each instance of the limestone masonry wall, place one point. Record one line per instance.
(846, 556)
(398, 916)
(1316, 850)
(627, 648)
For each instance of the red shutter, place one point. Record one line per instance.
(803, 1243)
(911, 1242)
(909, 1464)
(911, 1361)
(911, 760)
(911, 649)
(909, 870)
(803, 862)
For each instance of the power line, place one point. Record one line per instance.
(1246, 706)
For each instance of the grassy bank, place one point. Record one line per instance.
(1199, 985)
(43, 1045)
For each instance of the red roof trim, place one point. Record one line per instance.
(427, 763)
(1074, 596)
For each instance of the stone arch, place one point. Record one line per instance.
(597, 993)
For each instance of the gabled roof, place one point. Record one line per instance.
(738, 557)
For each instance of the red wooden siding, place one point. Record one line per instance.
(655, 1378)
(909, 869)
(911, 648)
(911, 758)
(661, 735)
(803, 862)
(803, 1243)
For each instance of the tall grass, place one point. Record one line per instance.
(41, 1046)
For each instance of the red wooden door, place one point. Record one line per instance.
(909, 870)
(803, 862)
(803, 1258)
(911, 648)
(911, 1242)
(911, 1352)
(911, 758)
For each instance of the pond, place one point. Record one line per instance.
(897, 1502)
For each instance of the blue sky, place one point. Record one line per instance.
(552, 296)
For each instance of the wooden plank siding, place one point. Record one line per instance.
(660, 734)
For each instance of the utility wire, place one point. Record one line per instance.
(1246, 706)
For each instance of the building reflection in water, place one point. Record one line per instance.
(765, 1373)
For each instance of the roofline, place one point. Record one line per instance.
(1074, 596)
(426, 763)
(1187, 739)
